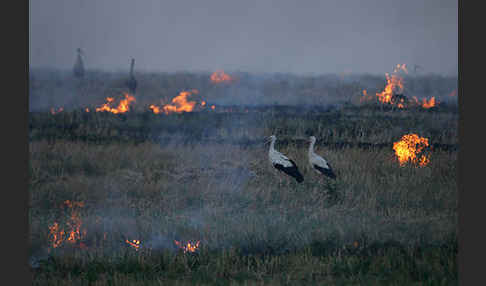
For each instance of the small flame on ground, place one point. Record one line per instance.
(188, 247)
(220, 76)
(134, 242)
(74, 233)
(87, 109)
(122, 107)
(155, 109)
(428, 104)
(409, 147)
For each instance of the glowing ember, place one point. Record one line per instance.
(366, 97)
(135, 243)
(213, 107)
(220, 76)
(122, 107)
(409, 147)
(73, 233)
(87, 109)
(203, 103)
(189, 246)
(54, 111)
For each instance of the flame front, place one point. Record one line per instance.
(179, 104)
(134, 242)
(409, 147)
(122, 107)
(220, 76)
(188, 247)
(74, 231)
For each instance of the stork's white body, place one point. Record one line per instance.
(282, 162)
(319, 164)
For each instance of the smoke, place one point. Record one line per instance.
(254, 36)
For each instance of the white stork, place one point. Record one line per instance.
(318, 163)
(282, 162)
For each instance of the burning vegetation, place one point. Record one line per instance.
(135, 243)
(393, 92)
(71, 231)
(220, 76)
(393, 87)
(122, 107)
(190, 247)
(409, 148)
(179, 104)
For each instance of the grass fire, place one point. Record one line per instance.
(178, 104)
(188, 247)
(176, 186)
(220, 76)
(122, 107)
(71, 231)
(409, 148)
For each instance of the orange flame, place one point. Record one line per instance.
(87, 109)
(135, 243)
(430, 103)
(179, 104)
(188, 247)
(426, 103)
(75, 233)
(53, 111)
(213, 107)
(155, 109)
(122, 107)
(57, 235)
(409, 147)
(394, 85)
(220, 76)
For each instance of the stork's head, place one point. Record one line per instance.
(271, 138)
(312, 139)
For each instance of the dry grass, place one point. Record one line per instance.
(193, 177)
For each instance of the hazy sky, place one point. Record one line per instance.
(305, 36)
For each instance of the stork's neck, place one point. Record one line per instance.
(272, 145)
(311, 147)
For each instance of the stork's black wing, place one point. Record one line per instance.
(292, 171)
(325, 171)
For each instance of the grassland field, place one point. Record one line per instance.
(205, 176)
